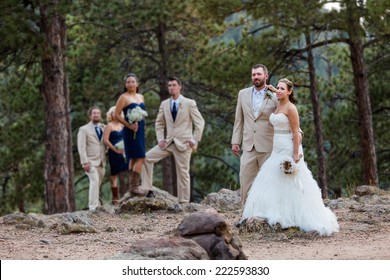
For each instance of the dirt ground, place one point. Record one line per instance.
(363, 235)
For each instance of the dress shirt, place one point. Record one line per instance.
(257, 101)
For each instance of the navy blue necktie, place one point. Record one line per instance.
(98, 132)
(174, 111)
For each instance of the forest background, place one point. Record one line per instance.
(58, 58)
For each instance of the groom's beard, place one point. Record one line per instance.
(258, 83)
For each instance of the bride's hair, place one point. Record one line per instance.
(290, 87)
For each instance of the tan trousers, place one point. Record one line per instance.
(250, 164)
(95, 175)
(182, 163)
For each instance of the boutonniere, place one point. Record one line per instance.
(179, 103)
(268, 94)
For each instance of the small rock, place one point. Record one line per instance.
(367, 190)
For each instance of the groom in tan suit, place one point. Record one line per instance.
(252, 127)
(92, 154)
(176, 118)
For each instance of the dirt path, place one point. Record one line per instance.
(362, 236)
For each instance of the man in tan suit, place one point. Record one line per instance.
(92, 154)
(176, 117)
(252, 127)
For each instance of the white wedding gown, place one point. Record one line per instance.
(288, 199)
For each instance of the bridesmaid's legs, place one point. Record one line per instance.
(123, 187)
(136, 164)
(135, 168)
(114, 189)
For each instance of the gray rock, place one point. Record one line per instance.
(173, 248)
(224, 200)
(367, 190)
(23, 219)
(162, 201)
(69, 228)
(68, 223)
(194, 207)
(144, 204)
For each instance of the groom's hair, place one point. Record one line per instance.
(174, 78)
(260, 66)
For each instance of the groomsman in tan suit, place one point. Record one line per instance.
(92, 154)
(252, 127)
(176, 117)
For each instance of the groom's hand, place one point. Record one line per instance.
(236, 149)
(191, 144)
(162, 144)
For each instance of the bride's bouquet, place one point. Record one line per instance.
(121, 146)
(288, 166)
(135, 115)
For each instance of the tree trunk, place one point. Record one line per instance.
(58, 174)
(360, 80)
(168, 164)
(317, 120)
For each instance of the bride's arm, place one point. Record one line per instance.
(293, 118)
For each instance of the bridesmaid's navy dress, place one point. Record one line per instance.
(118, 163)
(134, 148)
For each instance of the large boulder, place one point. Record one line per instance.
(213, 233)
(173, 248)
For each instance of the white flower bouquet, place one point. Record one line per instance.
(289, 166)
(121, 146)
(135, 115)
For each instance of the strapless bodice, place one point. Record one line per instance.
(280, 122)
(132, 106)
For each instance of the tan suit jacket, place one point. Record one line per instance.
(182, 129)
(90, 148)
(250, 131)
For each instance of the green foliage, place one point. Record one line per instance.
(211, 45)
(21, 141)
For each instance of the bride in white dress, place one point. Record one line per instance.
(292, 200)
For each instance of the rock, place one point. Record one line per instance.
(23, 220)
(69, 228)
(144, 204)
(224, 200)
(213, 233)
(342, 203)
(259, 225)
(216, 247)
(207, 241)
(208, 221)
(193, 207)
(367, 190)
(162, 201)
(75, 222)
(173, 248)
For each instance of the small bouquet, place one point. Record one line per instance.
(135, 115)
(121, 146)
(288, 166)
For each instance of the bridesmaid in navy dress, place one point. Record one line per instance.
(113, 134)
(133, 133)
